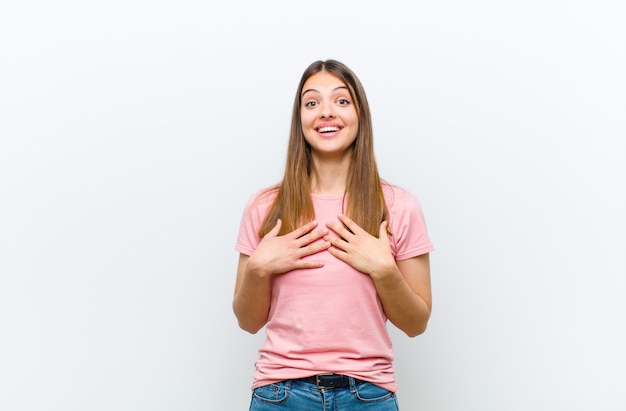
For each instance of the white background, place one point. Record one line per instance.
(132, 133)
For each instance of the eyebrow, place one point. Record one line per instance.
(312, 89)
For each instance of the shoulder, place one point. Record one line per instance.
(409, 236)
(263, 198)
(253, 214)
(398, 198)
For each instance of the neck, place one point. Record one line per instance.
(330, 177)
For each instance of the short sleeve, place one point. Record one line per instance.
(409, 234)
(251, 220)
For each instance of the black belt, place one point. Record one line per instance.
(330, 380)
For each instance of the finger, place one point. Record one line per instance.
(302, 230)
(311, 237)
(309, 264)
(383, 230)
(338, 253)
(276, 229)
(314, 248)
(347, 221)
(337, 242)
(340, 229)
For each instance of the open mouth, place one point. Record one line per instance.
(328, 129)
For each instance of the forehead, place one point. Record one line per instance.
(323, 81)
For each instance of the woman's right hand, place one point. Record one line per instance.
(277, 254)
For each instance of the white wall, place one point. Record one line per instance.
(132, 132)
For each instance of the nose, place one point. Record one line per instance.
(327, 110)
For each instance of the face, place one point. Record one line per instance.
(328, 114)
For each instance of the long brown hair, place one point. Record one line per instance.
(364, 195)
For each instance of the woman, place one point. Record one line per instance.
(327, 256)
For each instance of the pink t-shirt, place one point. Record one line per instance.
(330, 319)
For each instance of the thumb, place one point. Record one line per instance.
(382, 233)
(274, 231)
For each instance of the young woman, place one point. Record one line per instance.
(327, 256)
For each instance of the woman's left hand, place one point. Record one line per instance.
(360, 249)
(403, 286)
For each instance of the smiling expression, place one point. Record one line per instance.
(328, 114)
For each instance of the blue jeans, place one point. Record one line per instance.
(295, 395)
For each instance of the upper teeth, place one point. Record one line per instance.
(327, 129)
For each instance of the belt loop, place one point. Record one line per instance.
(352, 384)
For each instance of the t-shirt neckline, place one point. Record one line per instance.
(327, 196)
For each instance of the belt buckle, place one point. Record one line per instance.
(317, 379)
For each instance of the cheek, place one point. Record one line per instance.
(308, 134)
(355, 120)
(306, 119)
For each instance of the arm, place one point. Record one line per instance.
(274, 255)
(406, 294)
(402, 286)
(251, 303)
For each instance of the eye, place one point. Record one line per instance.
(311, 103)
(343, 102)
